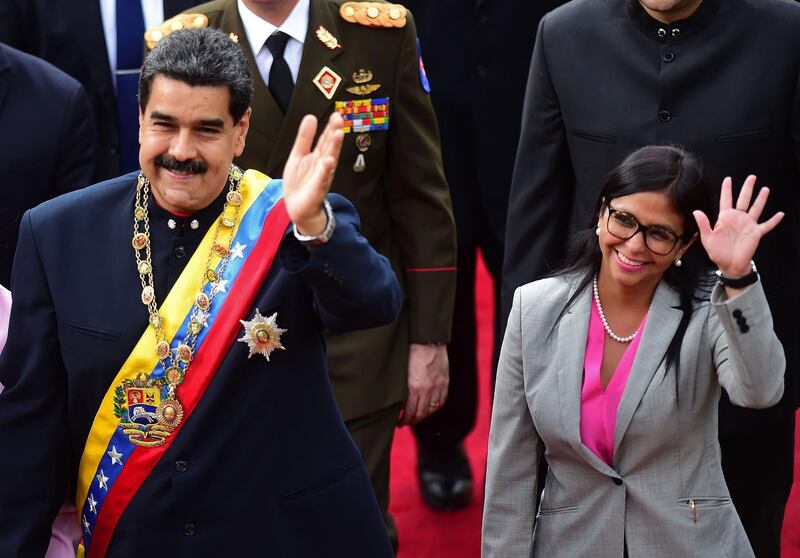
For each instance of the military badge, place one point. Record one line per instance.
(143, 412)
(365, 89)
(234, 37)
(362, 76)
(327, 81)
(364, 115)
(327, 39)
(423, 77)
(262, 335)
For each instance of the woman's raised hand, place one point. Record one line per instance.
(732, 242)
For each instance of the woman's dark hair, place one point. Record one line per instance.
(200, 57)
(678, 174)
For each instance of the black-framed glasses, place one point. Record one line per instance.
(657, 238)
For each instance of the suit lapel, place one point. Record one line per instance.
(573, 331)
(5, 76)
(663, 319)
(267, 118)
(307, 98)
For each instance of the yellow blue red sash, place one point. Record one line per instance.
(112, 468)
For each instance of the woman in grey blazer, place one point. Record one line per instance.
(638, 475)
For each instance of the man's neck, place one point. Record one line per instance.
(671, 15)
(275, 12)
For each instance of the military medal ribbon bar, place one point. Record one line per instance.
(112, 466)
(364, 115)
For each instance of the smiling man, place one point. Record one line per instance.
(165, 360)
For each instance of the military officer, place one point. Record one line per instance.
(361, 58)
(165, 356)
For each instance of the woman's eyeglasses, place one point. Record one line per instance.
(624, 226)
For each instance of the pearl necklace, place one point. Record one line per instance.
(614, 336)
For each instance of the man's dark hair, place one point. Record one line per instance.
(200, 57)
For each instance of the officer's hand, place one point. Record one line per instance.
(428, 378)
(308, 174)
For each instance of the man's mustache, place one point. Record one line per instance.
(192, 166)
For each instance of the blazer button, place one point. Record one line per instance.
(669, 56)
(664, 116)
(181, 466)
(745, 328)
(180, 252)
(617, 481)
(189, 529)
(737, 313)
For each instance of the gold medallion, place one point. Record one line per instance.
(174, 376)
(144, 268)
(221, 250)
(195, 327)
(202, 301)
(226, 222)
(234, 198)
(363, 141)
(184, 353)
(139, 213)
(211, 275)
(139, 241)
(169, 414)
(155, 320)
(148, 294)
(162, 350)
(262, 335)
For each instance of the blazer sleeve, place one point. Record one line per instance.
(77, 146)
(419, 202)
(353, 286)
(509, 511)
(36, 463)
(542, 185)
(747, 354)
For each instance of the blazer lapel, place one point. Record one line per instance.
(307, 98)
(663, 319)
(573, 331)
(267, 118)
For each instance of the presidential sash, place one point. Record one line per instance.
(125, 442)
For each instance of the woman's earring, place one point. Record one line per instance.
(678, 262)
(597, 231)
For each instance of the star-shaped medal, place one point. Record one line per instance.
(262, 334)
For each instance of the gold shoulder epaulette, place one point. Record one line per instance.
(374, 14)
(180, 21)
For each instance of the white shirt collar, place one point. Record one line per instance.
(258, 30)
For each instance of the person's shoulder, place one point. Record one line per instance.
(550, 291)
(770, 15)
(212, 9)
(578, 14)
(84, 204)
(36, 74)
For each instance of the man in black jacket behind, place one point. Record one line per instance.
(717, 76)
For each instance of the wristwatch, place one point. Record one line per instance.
(740, 282)
(324, 236)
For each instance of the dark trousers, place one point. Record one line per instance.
(373, 434)
(446, 429)
(758, 470)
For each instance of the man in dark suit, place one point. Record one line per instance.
(717, 76)
(477, 55)
(77, 36)
(338, 53)
(47, 141)
(218, 434)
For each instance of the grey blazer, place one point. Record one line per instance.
(666, 454)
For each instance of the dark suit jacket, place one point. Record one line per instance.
(723, 83)
(477, 54)
(267, 457)
(47, 141)
(401, 197)
(69, 34)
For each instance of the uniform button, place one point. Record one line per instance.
(617, 481)
(737, 313)
(662, 32)
(669, 56)
(181, 466)
(180, 252)
(194, 224)
(189, 529)
(172, 224)
(676, 32)
(664, 116)
(745, 328)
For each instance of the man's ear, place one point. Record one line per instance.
(141, 120)
(240, 131)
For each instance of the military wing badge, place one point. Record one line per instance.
(262, 335)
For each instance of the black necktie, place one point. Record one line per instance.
(280, 77)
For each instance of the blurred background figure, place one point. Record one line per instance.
(47, 141)
(476, 54)
(100, 43)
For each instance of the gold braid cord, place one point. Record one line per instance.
(374, 14)
(180, 21)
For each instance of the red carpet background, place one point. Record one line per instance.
(428, 534)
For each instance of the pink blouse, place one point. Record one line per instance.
(598, 405)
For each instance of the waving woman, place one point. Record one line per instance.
(614, 366)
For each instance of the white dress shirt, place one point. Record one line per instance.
(259, 30)
(153, 12)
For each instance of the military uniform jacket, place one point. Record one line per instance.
(263, 461)
(401, 196)
(724, 83)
